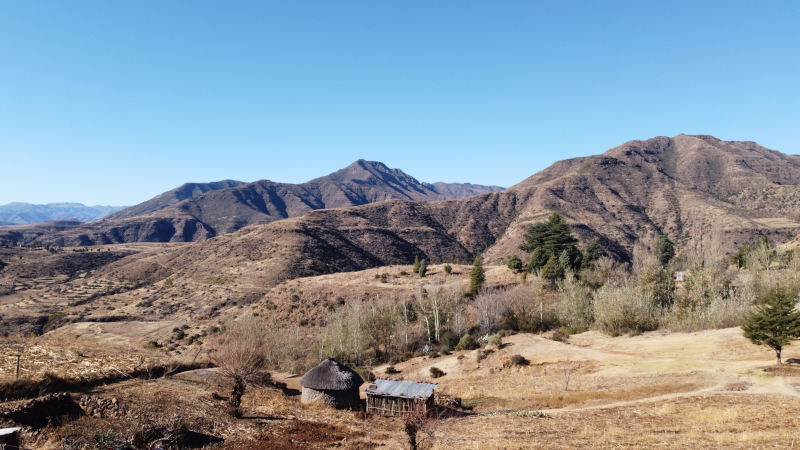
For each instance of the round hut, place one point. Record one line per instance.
(333, 383)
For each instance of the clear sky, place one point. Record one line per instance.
(113, 102)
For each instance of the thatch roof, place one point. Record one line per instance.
(331, 375)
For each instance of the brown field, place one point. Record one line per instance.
(708, 389)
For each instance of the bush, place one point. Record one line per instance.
(495, 340)
(519, 360)
(574, 304)
(514, 263)
(561, 335)
(467, 343)
(391, 371)
(482, 354)
(448, 341)
(423, 268)
(448, 268)
(622, 308)
(437, 372)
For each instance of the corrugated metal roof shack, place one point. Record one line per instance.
(395, 398)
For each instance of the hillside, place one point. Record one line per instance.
(195, 212)
(26, 213)
(627, 195)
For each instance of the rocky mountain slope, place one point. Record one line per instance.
(195, 212)
(707, 195)
(18, 213)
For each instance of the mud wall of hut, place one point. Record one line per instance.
(339, 399)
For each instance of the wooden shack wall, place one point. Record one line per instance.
(396, 406)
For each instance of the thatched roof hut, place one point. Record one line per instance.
(333, 383)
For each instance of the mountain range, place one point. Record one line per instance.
(18, 213)
(707, 195)
(198, 211)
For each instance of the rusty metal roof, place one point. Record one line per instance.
(403, 389)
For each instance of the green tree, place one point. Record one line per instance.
(590, 255)
(665, 249)
(775, 323)
(423, 268)
(448, 268)
(551, 239)
(477, 277)
(538, 259)
(415, 268)
(552, 271)
(514, 263)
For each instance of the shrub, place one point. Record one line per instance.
(622, 308)
(561, 335)
(448, 341)
(514, 263)
(495, 340)
(519, 360)
(415, 267)
(423, 268)
(529, 413)
(467, 343)
(574, 304)
(391, 371)
(436, 372)
(448, 268)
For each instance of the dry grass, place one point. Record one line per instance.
(714, 421)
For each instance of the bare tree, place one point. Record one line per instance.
(567, 371)
(242, 357)
(489, 309)
(420, 426)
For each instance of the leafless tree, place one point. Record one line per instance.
(420, 426)
(489, 309)
(567, 371)
(241, 356)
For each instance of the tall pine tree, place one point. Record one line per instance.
(477, 277)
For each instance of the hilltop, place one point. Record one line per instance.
(198, 211)
(708, 196)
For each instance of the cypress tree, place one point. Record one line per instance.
(477, 277)
(423, 268)
(775, 323)
(415, 268)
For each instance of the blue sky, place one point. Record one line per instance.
(113, 102)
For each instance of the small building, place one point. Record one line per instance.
(9, 438)
(332, 383)
(397, 398)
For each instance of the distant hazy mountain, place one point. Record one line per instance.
(169, 198)
(198, 211)
(26, 213)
